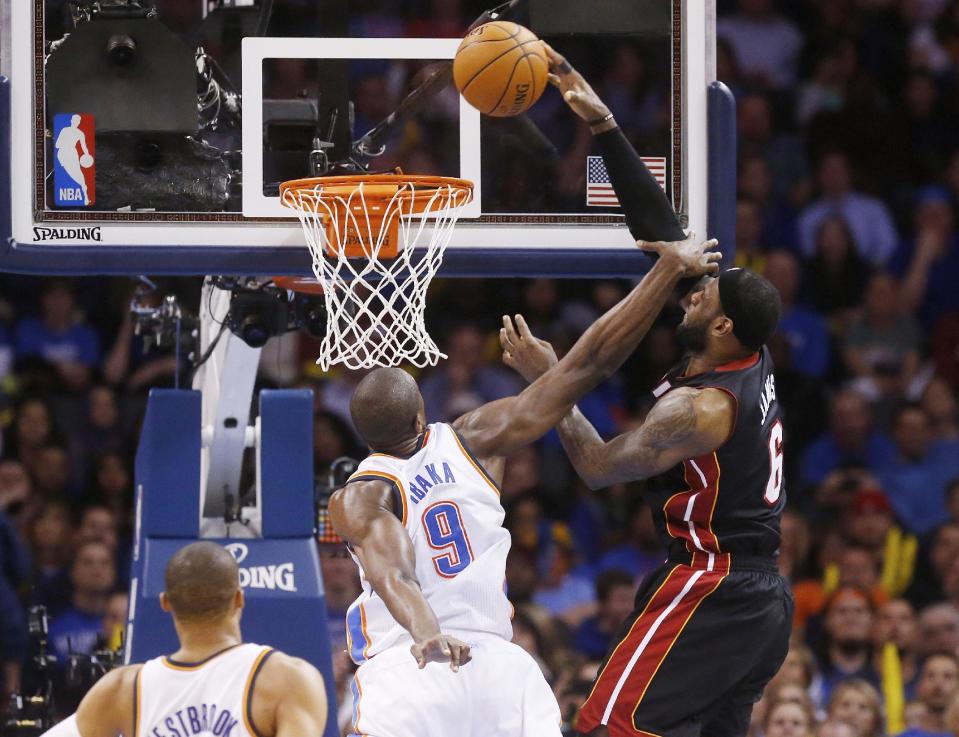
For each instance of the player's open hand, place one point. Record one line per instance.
(696, 258)
(576, 90)
(523, 352)
(441, 649)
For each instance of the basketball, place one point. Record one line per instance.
(86, 161)
(500, 68)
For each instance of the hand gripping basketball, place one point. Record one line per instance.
(575, 89)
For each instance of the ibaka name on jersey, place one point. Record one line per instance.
(203, 719)
(434, 476)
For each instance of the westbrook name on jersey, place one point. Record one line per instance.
(451, 510)
(212, 697)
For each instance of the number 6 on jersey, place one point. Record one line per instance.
(444, 529)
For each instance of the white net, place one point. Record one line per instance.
(375, 249)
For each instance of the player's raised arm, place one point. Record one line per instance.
(362, 514)
(498, 428)
(649, 214)
(289, 699)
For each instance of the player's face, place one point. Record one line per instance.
(702, 309)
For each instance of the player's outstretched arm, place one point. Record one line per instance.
(500, 427)
(289, 698)
(685, 423)
(649, 213)
(362, 514)
(106, 710)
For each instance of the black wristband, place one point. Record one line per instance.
(600, 121)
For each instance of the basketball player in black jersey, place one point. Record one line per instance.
(711, 627)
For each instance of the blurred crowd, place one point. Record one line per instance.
(847, 200)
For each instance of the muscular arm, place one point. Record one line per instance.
(362, 515)
(684, 424)
(289, 698)
(500, 427)
(107, 709)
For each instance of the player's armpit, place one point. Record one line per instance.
(107, 709)
(684, 424)
(362, 514)
(289, 698)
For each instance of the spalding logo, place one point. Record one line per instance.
(273, 577)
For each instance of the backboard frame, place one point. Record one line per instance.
(707, 133)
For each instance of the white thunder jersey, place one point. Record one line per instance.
(209, 698)
(452, 513)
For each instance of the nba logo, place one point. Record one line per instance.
(74, 162)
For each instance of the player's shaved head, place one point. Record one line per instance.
(201, 581)
(385, 407)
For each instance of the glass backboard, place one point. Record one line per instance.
(152, 135)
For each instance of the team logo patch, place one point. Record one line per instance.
(74, 160)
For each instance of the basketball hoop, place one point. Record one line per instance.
(377, 241)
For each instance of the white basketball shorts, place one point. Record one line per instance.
(501, 692)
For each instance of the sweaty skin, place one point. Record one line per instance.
(362, 512)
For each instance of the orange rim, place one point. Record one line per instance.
(420, 194)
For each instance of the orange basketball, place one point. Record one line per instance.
(500, 68)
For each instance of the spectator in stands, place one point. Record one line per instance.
(847, 647)
(33, 429)
(897, 627)
(50, 539)
(641, 552)
(939, 629)
(836, 275)
(926, 261)
(782, 151)
(916, 477)
(103, 431)
(98, 522)
(93, 576)
(615, 592)
(869, 220)
(881, 347)
(341, 586)
(857, 703)
(938, 685)
(561, 592)
(17, 499)
(59, 338)
(51, 472)
(788, 719)
(805, 331)
(115, 619)
(851, 441)
(465, 380)
(941, 407)
(777, 217)
(332, 439)
(113, 485)
(766, 45)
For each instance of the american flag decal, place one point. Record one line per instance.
(599, 190)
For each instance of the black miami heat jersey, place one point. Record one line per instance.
(730, 500)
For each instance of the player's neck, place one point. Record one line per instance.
(402, 449)
(201, 641)
(701, 363)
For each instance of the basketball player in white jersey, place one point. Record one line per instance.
(423, 519)
(214, 685)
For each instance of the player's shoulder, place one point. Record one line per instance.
(121, 678)
(281, 673)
